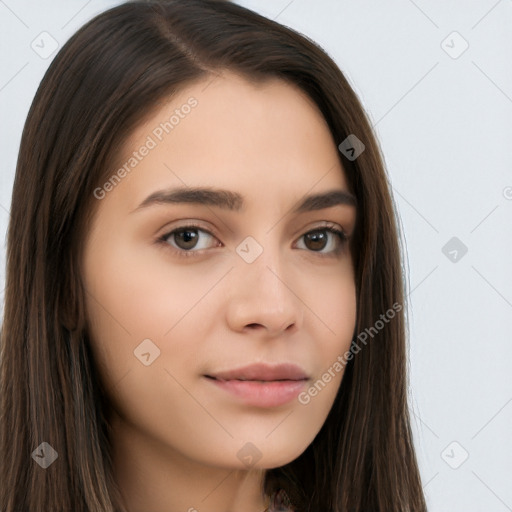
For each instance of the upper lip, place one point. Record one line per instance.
(263, 371)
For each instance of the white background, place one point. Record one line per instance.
(445, 125)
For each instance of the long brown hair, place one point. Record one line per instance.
(100, 85)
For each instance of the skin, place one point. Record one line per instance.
(176, 435)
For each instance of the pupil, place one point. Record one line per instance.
(318, 238)
(188, 237)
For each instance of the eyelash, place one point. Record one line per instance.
(343, 237)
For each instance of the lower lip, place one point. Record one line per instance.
(262, 394)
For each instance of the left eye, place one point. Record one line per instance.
(186, 238)
(318, 240)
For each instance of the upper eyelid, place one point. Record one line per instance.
(188, 224)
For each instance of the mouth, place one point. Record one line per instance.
(261, 385)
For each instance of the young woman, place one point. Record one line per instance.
(204, 301)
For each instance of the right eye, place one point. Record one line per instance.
(185, 239)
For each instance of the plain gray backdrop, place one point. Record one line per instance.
(436, 80)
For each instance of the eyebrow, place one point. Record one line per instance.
(234, 201)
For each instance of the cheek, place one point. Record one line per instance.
(130, 308)
(336, 304)
(136, 295)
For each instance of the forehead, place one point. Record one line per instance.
(263, 140)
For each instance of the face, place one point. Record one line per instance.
(179, 291)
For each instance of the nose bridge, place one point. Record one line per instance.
(262, 293)
(262, 264)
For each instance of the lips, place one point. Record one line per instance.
(262, 372)
(261, 385)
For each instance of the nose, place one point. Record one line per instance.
(262, 297)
